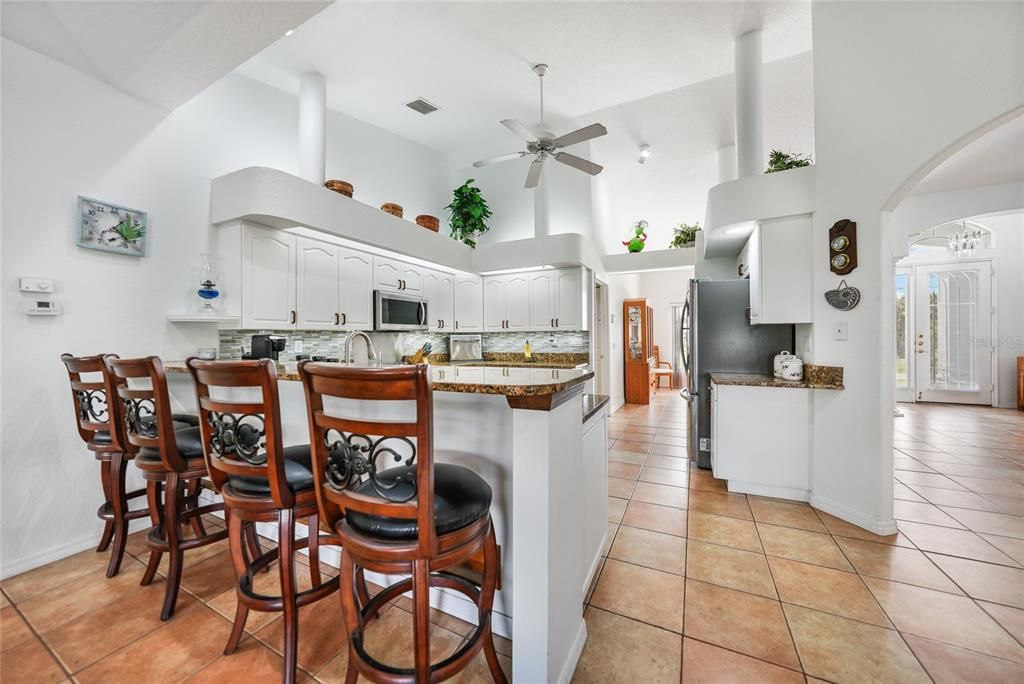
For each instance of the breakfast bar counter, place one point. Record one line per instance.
(527, 432)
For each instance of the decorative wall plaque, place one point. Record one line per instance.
(842, 247)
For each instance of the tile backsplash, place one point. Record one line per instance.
(394, 345)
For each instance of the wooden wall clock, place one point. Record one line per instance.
(842, 246)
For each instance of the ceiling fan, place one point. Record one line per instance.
(544, 144)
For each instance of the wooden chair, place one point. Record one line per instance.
(101, 436)
(662, 369)
(172, 463)
(417, 519)
(261, 481)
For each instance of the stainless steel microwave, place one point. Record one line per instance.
(394, 311)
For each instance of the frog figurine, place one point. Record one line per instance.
(636, 243)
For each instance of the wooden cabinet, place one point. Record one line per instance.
(638, 350)
(356, 290)
(268, 279)
(469, 304)
(779, 259)
(396, 276)
(506, 303)
(439, 291)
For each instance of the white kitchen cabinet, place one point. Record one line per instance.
(318, 288)
(760, 439)
(268, 279)
(439, 291)
(506, 303)
(396, 276)
(469, 304)
(356, 290)
(779, 258)
(556, 300)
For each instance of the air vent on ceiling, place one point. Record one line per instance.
(422, 106)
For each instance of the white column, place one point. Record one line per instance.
(749, 105)
(726, 163)
(312, 127)
(542, 202)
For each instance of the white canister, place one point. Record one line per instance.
(793, 368)
(779, 358)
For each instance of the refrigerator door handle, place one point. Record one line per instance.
(686, 394)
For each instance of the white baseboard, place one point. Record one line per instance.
(791, 493)
(54, 553)
(573, 659)
(879, 527)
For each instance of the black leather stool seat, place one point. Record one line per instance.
(461, 497)
(181, 421)
(298, 472)
(188, 439)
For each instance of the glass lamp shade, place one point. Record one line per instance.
(207, 293)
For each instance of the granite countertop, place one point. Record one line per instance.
(509, 381)
(812, 380)
(517, 359)
(592, 403)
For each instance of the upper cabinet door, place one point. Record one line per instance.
(542, 298)
(568, 299)
(387, 274)
(517, 312)
(268, 279)
(356, 293)
(469, 304)
(412, 278)
(318, 293)
(442, 306)
(495, 303)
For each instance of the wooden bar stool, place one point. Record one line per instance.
(102, 437)
(261, 481)
(172, 463)
(417, 519)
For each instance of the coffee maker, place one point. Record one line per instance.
(267, 346)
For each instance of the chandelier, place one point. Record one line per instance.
(965, 241)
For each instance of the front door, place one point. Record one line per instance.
(953, 333)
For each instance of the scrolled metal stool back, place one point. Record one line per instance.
(92, 413)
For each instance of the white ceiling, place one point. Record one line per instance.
(164, 52)
(995, 158)
(473, 60)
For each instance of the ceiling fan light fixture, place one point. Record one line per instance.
(645, 152)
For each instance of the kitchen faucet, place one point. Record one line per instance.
(371, 353)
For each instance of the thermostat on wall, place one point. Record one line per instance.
(43, 307)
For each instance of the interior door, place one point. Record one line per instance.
(905, 356)
(953, 333)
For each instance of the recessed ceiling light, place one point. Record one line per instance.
(289, 32)
(645, 152)
(422, 106)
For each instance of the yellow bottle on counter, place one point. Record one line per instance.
(527, 352)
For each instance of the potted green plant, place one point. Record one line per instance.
(783, 161)
(684, 235)
(468, 213)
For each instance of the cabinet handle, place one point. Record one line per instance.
(556, 322)
(456, 325)
(292, 316)
(552, 322)
(337, 319)
(344, 319)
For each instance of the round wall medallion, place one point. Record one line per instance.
(840, 243)
(843, 297)
(840, 261)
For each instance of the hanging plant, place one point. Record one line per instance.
(684, 235)
(636, 243)
(468, 213)
(783, 161)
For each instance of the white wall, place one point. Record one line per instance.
(620, 288)
(663, 289)
(67, 134)
(881, 73)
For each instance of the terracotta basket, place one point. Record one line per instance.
(393, 209)
(340, 186)
(429, 222)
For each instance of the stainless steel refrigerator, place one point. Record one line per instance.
(720, 339)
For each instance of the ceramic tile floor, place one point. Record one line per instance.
(699, 584)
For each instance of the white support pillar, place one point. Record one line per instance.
(749, 105)
(313, 127)
(542, 202)
(726, 163)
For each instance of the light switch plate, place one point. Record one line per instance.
(840, 331)
(35, 284)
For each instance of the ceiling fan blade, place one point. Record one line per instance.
(533, 177)
(579, 163)
(582, 135)
(520, 129)
(496, 160)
